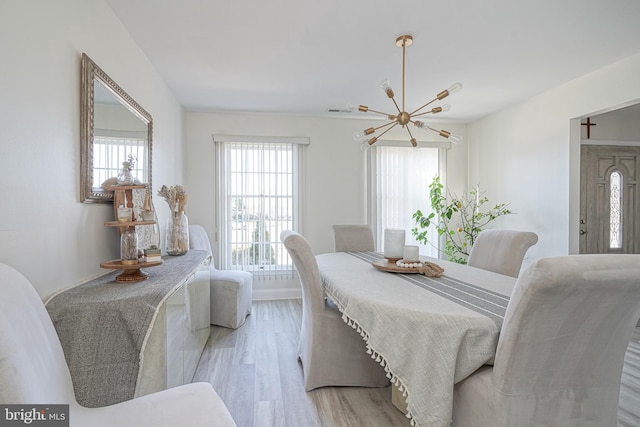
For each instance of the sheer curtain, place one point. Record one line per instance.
(400, 178)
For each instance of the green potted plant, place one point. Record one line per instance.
(458, 219)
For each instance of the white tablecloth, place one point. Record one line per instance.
(426, 340)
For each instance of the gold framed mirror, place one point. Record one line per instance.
(113, 129)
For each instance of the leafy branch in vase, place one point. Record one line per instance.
(458, 219)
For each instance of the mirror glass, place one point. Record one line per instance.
(114, 129)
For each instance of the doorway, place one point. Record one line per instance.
(609, 199)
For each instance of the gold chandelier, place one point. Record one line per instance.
(403, 118)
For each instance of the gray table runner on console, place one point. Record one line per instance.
(428, 333)
(102, 325)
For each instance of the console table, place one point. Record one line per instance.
(124, 340)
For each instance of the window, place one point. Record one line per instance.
(109, 151)
(615, 211)
(399, 185)
(258, 199)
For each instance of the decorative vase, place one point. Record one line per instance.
(125, 177)
(177, 238)
(129, 246)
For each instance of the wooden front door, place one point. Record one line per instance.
(609, 199)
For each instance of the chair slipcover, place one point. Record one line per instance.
(561, 348)
(332, 353)
(501, 251)
(357, 237)
(33, 370)
(231, 290)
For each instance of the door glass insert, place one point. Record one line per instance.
(615, 211)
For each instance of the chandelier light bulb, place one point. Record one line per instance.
(359, 136)
(436, 110)
(364, 146)
(386, 87)
(455, 139)
(456, 87)
(421, 125)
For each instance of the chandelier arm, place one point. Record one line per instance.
(412, 140)
(394, 124)
(396, 104)
(385, 125)
(443, 133)
(422, 114)
(425, 105)
(409, 130)
(379, 112)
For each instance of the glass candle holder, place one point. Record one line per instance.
(125, 214)
(393, 243)
(129, 247)
(411, 254)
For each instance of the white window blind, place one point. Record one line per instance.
(399, 185)
(258, 183)
(110, 150)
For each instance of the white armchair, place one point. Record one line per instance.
(33, 370)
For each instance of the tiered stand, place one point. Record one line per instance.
(123, 195)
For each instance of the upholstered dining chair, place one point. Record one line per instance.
(501, 251)
(353, 237)
(332, 353)
(33, 371)
(561, 347)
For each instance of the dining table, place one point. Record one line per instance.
(427, 332)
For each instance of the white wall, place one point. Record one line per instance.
(614, 127)
(334, 171)
(528, 154)
(45, 232)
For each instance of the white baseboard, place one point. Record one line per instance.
(269, 294)
(276, 288)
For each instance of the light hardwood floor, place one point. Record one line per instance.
(255, 371)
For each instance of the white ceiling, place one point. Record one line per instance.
(306, 56)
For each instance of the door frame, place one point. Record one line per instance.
(630, 217)
(575, 189)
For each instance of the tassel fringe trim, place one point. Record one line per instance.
(375, 355)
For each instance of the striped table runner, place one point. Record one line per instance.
(486, 302)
